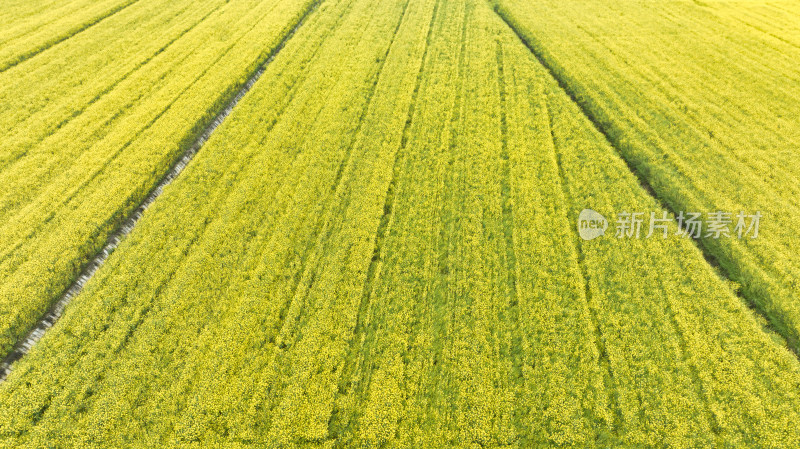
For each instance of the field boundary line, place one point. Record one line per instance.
(56, 310)
(71, 33)
(769, 324)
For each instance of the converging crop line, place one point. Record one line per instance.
(385, 222)
(743, 294)
(305, 277)
(372, 270)
(290, 310)
(591, 306)
(506, 194)
(348, 159)
(697, 381)
(450, 229)
(56, 310)
(52, 43)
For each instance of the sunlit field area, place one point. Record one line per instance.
(399, 224)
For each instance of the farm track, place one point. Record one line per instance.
(512, 312)
(325, 226)
(341, 202)
(769, 323)
(592, 304)
(128, 225)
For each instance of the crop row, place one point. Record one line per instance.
(701, 107)
(30, 27)
(86, 145)
(247, 213)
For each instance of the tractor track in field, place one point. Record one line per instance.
(336, 425)
(769, 323)
(610, 381)
(56, 310)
